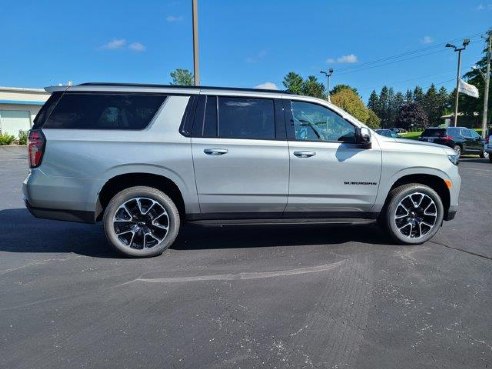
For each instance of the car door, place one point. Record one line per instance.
(476, 140)
(240, 156)
(329, 172)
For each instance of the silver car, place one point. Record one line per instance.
(143, 159)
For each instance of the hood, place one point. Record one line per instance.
(403, 144)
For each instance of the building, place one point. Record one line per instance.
(18, 107)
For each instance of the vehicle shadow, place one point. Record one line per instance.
(21, 232)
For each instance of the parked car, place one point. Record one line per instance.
(462, 140)
(488, 146)
(387, 133)
(143, 159)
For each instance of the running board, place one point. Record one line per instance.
(300, 221)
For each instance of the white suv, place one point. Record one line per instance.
(144, 158)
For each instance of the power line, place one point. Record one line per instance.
(408, 55)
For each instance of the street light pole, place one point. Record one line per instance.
(487, 84)
(328, 75)
(196, 68)
(458, 72)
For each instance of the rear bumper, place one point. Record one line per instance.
(58, 214)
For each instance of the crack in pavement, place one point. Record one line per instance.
(462, 250)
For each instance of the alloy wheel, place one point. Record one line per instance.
(141, 223)
(416, 215)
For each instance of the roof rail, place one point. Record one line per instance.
(150, 85)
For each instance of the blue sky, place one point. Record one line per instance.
(243, 43)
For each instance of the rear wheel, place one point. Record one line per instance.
(141, 221)
(414, 213)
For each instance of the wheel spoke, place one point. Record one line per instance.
(141, 223)
(415, 215)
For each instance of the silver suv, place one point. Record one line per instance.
(143, 159)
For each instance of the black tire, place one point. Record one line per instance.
(482, 154)
(397, 228)
(458, 150)
(145, 217)
(490, 158)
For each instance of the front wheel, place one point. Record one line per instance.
(414, 214)
(141, 222)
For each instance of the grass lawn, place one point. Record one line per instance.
(411, 135)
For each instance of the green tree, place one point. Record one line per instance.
(412, 116)
(396, 102)
(312, 87)
(384, 104)
(373, 102)
(418, 95)
(182, 77)
(409, 97)
(350, 101)
(340, 87)
(293, 83)
(373, 120)
(468, 104)
(431, 105)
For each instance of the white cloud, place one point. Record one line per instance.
(115, 44)
(484, 7)
(256, 58)
(137, 47)
(267, 86)
(427, 40)
(174, 18)
(344, 59)
(121, 43)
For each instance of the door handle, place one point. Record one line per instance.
(304, 154)
(215, 151)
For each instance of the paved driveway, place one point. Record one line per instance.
(284, 296)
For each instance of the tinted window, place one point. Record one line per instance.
(104, 111)
(251, 118)
(454, 132)
(433, 133)
(210, 123)
(314, 122)
(46, 110)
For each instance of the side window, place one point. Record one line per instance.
(210, 117)
(247, 118)
(454, 132)
(314, 122)
(104, 111)
(474, 133)
(466, 133)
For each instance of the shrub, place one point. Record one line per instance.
(6, 139)
(22, 138)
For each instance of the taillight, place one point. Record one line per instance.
(36, 148)
(447, 138)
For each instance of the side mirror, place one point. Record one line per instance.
(364, 137)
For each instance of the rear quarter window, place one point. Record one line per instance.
(104, 111)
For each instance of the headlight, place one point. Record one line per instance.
(454, 159)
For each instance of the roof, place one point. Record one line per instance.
(23, 90)
(153, 87)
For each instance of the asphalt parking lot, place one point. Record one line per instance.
(248, 297)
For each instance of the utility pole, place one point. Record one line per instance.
(196, 67)
(328, 75)
(459, 50)
(487, 84)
